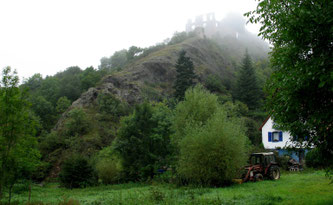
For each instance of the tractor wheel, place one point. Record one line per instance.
(274, 173)
(258, 177)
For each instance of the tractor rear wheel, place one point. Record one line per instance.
(274, 173)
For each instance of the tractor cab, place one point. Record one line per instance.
(261, 165)
(263, 159)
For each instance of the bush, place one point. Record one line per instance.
(214, 84)
(282, 160)
(199, 105)
(314, 159)
(212, 145)
(76, 172)
(109, 170)
(77, 123)
(213, 154)
(110, 105)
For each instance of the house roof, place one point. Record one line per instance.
(264, 122)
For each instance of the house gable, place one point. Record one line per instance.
(272, 138)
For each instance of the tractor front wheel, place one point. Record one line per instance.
(274, 173)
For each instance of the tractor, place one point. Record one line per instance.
(262, 166)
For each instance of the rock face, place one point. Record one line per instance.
(153, 76)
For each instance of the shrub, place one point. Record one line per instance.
(109, 170)
(199, 105)
(77, 123)
(212, 145)
(76, 172)
(110, 105)
(214, 84)
(314, 159)
(282, 160)
(214, 153)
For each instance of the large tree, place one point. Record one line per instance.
(143, 142)
(248, 90)
(300, 90)
(185, 75)
(18, 146)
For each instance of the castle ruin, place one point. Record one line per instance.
(207, 23)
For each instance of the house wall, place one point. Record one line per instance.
(268, 127)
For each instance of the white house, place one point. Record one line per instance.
(274, 139)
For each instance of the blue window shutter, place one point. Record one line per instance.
(269, 136)
(280, 137)
(306, 138)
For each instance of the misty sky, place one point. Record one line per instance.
(44, 36)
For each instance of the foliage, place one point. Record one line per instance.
(300, 89)
(44, 110)
(143, 142)
(119, 59)
(108, 166)
(214, 84)
(77, 122)
(252, 131)
(62, 104)
(212, 146)
(248, 90)
(314, 159)
(178, 37)
(108, 104)
(132, 52)
(18, 153)
(197, 107)
(89, 77)
(76, 172)
(70, 83)
(308, 188)
(185, 75)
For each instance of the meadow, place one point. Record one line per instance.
(293, 188)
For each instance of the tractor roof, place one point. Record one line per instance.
(263, 153)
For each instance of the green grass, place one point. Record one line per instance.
(292, 188)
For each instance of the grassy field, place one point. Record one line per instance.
(292, 188)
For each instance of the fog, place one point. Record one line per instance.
(48, 36)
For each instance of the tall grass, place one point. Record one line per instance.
(293, 188)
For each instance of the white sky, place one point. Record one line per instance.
(44, 36)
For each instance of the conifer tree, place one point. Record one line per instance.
(185, 75)
(248, 90)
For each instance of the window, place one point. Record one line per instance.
(275, 136)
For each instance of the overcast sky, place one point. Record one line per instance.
(44, 36)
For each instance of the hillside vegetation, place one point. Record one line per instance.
(80, 111)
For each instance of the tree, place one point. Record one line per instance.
(132, 52)
(300, 90)
(185, 75)
(18, 146)
(89, 77)
(44, 110)
(76, 172)
(212, 145)
(119, 59)
(247, 87)
(143, 142)
(63, 104)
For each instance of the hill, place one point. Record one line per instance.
(86, 126)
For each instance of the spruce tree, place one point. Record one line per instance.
(248, 90)
(185, 75)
